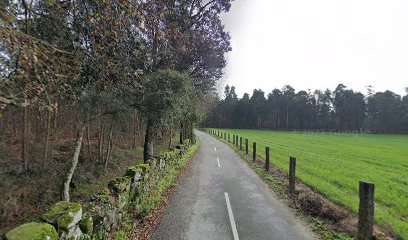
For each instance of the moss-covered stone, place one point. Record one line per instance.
(162, 164)
(138, 190)
(132, 171)
(152, 163)
(64, 215)
(186, 142)
(144, 166)
(173, 154)
(102, 196)
(86, 225)
(123, 201)
(163, 155)
(33, 231)
(134, 193)
(135, 173)
(120, 184)
(73, 233)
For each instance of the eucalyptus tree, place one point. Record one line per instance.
(110, 40)
(324, 108)
(257, 104)
(275, 102)
(384, 111)
(340, 110)
(102, 58)
(349, 108)
(185, 36)
(404, 112)
(288, 97)
(37, 67)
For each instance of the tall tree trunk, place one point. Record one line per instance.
(171, 137)
(136, 129)
(258, 121)
(181, 133)
(15, 121)
(108, 150)
(101, 139)
(74, 163)
(54, 130)
(24, 139)
(47, 138)
(148, 144)
(75, 126)
(88, 138)
(4, 122)
(39, 125)
(274, 120)
(287, 117)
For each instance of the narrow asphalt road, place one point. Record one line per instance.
(222, 198)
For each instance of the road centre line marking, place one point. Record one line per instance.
(215, 148)
(218, 161)
(231, 217)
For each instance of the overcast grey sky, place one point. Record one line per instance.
(317, 44)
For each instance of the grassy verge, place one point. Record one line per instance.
(275, 179)
(332, 164)
(161, 194)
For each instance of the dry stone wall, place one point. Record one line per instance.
(119, 206)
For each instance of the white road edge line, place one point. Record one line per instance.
(231, 217)
(218, 162)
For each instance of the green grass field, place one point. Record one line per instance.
(333, 164)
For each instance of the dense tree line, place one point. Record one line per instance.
(106, 70)
(339, 110)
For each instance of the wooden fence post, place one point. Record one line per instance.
(292, 174)
(229, 137)
(240, 143)
(366, 211)
(233, 139)
(246, 146)
(225, 136)
(254, 151)
(267, 159)
(236, 141)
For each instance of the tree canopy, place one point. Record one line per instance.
(105, 63)
(340, 110)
